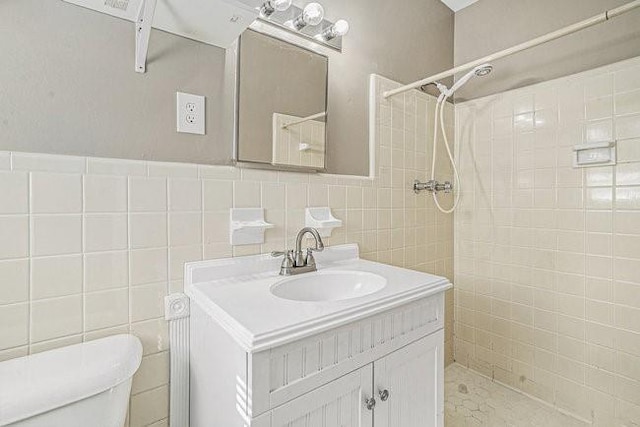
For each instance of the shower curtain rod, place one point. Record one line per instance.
(601, 17)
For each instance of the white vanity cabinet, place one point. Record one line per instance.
(406, 387)
(326, 379)
(258, 360)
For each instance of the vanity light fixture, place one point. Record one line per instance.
(312, 14)
(308, 22)
(271, 6)
(339, 29)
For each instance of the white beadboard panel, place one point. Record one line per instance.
(107, 239)
(336, 404)
(297, 368)
(546, 266)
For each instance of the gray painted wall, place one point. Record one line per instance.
(68, 86)
(402, 40)
(488, 26)
(67, 83)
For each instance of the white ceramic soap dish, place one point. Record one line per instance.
(321, 219)
(247, 226)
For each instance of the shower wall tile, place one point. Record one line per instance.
(91, 246)
(547, 257)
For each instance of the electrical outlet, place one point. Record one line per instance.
(190, 113)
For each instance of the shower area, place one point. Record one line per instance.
(541, 188)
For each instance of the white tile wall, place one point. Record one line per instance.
(91, 246)
(547, 257)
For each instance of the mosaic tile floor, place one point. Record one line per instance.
(472, 400)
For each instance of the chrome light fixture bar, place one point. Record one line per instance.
(271, 6)
(307, 22)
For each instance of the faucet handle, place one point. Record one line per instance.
(310, 260)
(288, 256)
(288, 263)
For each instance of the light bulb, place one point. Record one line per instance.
(280, 5)
(313, 14)
(271, 6)
(340, 28)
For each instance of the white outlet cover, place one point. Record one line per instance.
(191, 113)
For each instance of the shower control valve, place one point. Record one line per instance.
(432, 186)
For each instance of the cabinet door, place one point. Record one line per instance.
(414, 379)
(337, 404)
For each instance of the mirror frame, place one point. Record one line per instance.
(233, 77)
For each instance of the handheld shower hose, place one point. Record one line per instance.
(439, 120)
(446, 93)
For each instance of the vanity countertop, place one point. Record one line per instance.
(236, 293)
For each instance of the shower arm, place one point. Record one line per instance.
(597, 19)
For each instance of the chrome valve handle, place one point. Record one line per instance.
(370, 403)
(384, 395)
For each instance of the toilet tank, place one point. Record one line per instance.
(48, 381)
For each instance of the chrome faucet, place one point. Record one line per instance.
(296, 262)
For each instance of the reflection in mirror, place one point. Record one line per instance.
(282, 104)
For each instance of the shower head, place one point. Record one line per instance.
(479, 71)
(483, 70)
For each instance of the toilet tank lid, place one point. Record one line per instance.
(41, 382)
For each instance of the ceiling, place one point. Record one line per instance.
(456, 5)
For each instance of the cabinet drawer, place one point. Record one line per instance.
(279, 375)
(339, 403)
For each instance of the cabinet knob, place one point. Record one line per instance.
(384, 395)
(370, 403)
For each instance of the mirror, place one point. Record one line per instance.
(282, 104)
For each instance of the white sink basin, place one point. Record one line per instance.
(328, 286)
